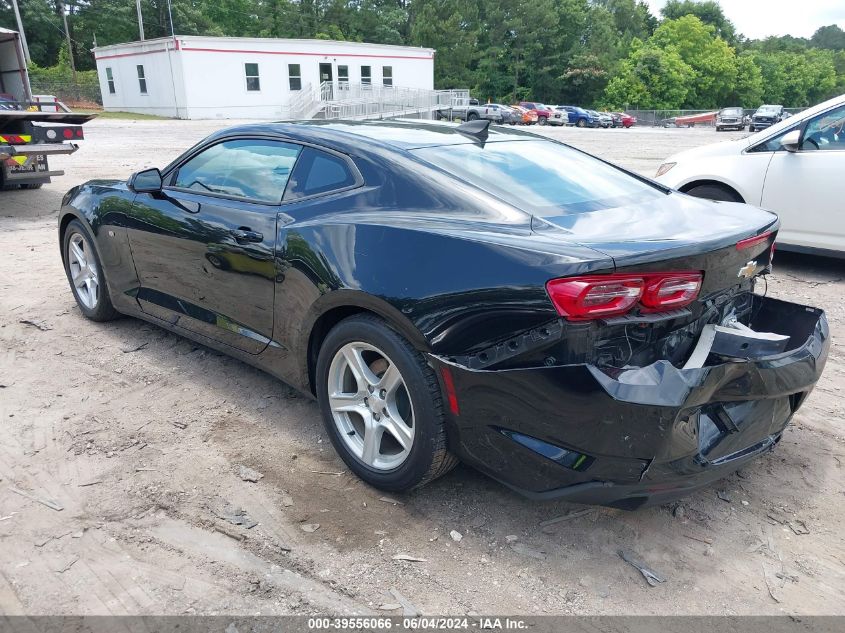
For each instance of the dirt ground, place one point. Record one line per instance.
(139, 435)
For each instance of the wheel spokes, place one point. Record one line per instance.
(401, 432)
(370, 405)
(390, 380)
(343, 402)
(77, 252)
(364, 376)
(371, 450)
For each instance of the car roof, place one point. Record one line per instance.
(398, 134)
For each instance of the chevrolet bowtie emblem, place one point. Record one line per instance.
(749, 270)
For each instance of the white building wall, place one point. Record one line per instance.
(209, 78)
(165, 94)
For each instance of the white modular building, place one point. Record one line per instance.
(194, 77)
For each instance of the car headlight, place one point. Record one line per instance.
(664, 168)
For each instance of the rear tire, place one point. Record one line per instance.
(472, 116)
(85, 273)
(390, 393)
(714, 192)
(581, 123)
(542, 120)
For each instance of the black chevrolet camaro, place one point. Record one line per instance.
(466, 293)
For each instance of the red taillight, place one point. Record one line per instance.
(79, 133)
(67, 133)
(598, 296)
(748, 242)
(670, 292)
(583, 298)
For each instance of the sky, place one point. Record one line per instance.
(760, 18)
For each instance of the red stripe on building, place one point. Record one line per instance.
(160, 50)
(250, 52)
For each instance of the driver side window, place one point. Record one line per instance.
(826, 131)
(251, 169)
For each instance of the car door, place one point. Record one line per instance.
(805, 187)
(204, 246)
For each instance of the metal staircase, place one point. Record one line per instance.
(360, 101)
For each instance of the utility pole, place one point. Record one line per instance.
(61, 4)
(20, 30)
(170, 13)
(140, 19)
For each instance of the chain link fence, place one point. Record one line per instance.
(81, 93)
(666, 118)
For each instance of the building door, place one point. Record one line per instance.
(343, 79)
(326, 77)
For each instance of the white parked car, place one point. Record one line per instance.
(795, 168)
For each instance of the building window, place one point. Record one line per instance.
(366, 76)
(253, 84)
(110, 80)
(387, 76)
(343, 77)
(295, 77)
(142, 80)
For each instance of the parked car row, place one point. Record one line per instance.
(534, 112)
(734, 118)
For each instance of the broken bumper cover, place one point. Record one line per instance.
(639, 436)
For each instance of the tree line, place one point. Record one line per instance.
(599, 53)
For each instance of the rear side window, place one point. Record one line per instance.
(319, 172)
(252, 169)
(540, 177)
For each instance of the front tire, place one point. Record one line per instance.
(381, 405)
(581, 123)
(85, 273)
(542, 120)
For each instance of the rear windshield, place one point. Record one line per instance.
(540, 177)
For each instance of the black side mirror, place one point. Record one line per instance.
(147, 181)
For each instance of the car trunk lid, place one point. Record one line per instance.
(674, 232)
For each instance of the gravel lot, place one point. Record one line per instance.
(139, 436)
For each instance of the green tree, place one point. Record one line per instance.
(711, 58)
(708, 11)
(831, 37)
(651, 78)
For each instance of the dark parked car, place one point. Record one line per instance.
(465, 292)
(578, 116)
(730, 119)
(765, 116)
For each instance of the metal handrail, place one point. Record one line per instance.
(361, 100)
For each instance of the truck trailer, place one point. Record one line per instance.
(31, 130)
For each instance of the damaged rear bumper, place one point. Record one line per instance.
(636, 436)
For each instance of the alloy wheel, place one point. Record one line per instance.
(370, 406)
(83, 271)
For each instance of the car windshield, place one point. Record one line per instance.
(731, 112)
(540, 177)
(767, 109)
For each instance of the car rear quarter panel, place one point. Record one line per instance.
(448, 266)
